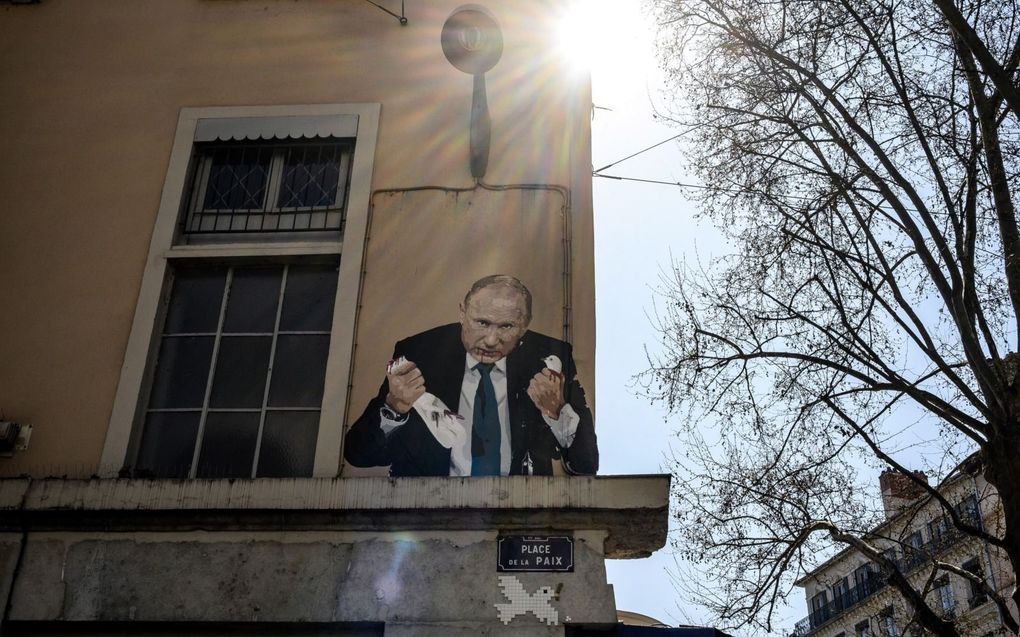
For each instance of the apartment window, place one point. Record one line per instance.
(238, 380)
(239, 354)
(938, 529)
(944, 593)
(269, 186)
(864, 579)
(819, 609)
(862, 629)
(887, 622)
(913, 550)
(977, 596)
(969, 511)
(841, 594)
(914, 540)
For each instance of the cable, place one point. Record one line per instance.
(737, 192)
(645, 150)
(656, 181)
(401, 17)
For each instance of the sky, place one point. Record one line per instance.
(639, 229)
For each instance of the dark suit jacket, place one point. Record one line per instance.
(411, 450)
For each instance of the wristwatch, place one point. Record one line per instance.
(390, 414)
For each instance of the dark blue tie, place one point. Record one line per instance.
(485, 426)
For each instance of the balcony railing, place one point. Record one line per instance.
(915, 556)
(839, 605)
(912, 558)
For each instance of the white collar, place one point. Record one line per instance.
(470, 362)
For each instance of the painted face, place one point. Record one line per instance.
(493, 322)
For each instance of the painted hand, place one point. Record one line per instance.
(406, 385)
(546, 391)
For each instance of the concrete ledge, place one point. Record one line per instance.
(196, 629)
(633, 510)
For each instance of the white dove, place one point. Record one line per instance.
(523, 602)
(553, 363)
(446, 425)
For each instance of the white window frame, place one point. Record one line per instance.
(125, 416)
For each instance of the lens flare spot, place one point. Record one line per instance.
(584, 28)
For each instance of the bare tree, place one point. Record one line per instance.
(862, 157)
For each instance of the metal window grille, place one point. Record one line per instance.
(237, 385)
(288, 186)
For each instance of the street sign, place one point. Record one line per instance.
(535, 553)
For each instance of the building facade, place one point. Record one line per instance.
(847, 596)
(129, 120)
(219, 217)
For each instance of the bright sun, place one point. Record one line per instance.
(583, 24)
(599, 35)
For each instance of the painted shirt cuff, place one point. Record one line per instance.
(565, 427)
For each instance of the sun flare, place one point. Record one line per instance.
(584, 26)
(608, 38)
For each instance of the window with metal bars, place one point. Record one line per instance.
(269, 186)
(237, 384)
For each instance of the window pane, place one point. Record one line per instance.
(288, 444)
(182, 371)
(308, 299)
(254, 295)
(237, 178)
(228, 445)
(195, 300)
(299, 371)
(241, 367)
(311, 175)
(168, 443)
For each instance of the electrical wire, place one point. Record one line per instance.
(656, 181)
(681, 184)
(644, 150)
(401, 17)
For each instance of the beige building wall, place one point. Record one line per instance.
(92, 95)
(982, 619)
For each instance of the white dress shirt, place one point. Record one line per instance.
(564, 428)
